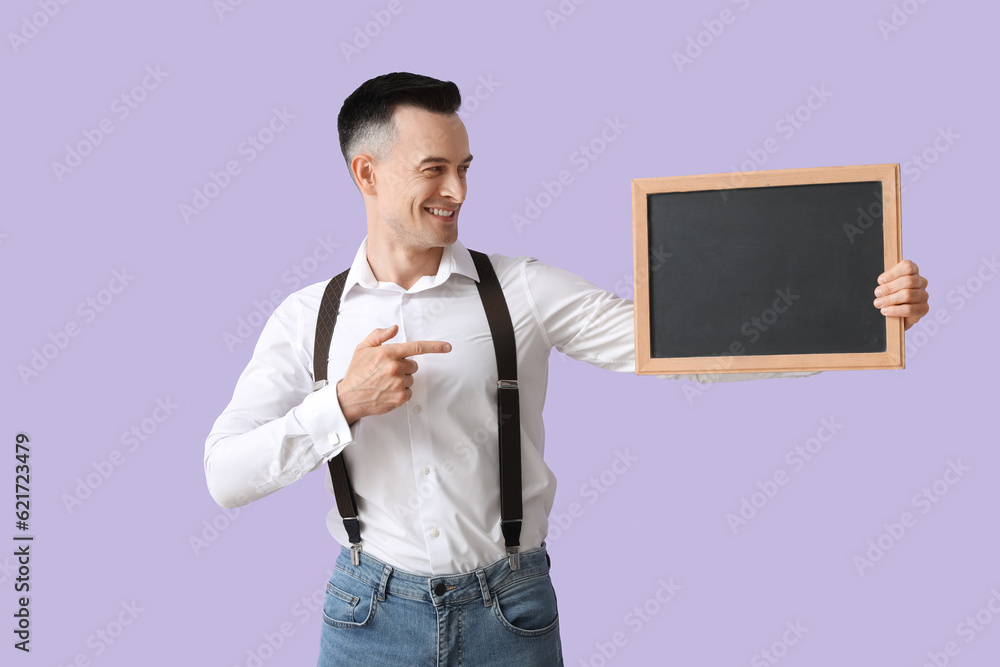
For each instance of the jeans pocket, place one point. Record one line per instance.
(527, 607)
(349, 602)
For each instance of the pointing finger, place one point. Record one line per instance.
(419, 347)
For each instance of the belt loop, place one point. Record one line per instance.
(382, 584)
(487, 600)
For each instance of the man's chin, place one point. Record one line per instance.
(449, 236)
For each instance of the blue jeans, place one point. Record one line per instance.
(377, 615)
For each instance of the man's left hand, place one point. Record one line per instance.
(902, 292)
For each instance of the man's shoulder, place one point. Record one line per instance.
(306, 299)
(510, 269)
(533, 271)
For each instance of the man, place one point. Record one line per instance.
(411, 403)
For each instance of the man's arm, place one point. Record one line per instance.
(276, 428)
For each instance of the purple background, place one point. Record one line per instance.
(552, 87)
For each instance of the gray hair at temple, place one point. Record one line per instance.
(365, 122)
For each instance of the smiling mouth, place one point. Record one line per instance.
(441, 212)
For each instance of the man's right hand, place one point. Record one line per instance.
(379, 376)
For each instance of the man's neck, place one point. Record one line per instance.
(401, 264)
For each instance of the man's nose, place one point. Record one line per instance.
(454, 187)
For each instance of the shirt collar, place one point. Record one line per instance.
(454, 259)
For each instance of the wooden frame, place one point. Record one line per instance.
(893, 355)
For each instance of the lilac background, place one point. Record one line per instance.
(552, 90)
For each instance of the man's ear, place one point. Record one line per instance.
(363, 169)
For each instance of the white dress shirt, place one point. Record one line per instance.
(426, 474)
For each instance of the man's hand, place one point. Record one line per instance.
(379, 376)
(902, 292)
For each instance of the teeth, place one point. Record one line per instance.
(441, 212)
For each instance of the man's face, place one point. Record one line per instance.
(420, 187)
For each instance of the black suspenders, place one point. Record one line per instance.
(508, 407)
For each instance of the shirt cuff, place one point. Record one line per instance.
(323, 419)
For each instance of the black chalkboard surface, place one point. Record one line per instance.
(775, 274)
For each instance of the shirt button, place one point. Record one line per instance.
(425, 470)
(416, 409)
(435, 532)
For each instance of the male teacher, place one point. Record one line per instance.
(427, 575)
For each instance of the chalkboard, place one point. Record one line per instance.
(765, 271)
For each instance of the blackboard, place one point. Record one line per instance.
(768, 271)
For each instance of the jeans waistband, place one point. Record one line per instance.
(448, 588)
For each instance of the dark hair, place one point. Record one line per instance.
(367, 112)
